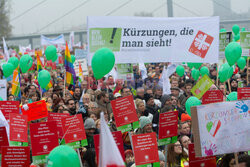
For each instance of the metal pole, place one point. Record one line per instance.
(170, 8)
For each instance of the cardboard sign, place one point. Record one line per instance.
(145, 149)
(200, 161)
(118, 140)
(36, 110)
(58, 118)
(125, 113)
(44, 139)
(212, 96)
(15, 156)
(168, 127)
(3, 138)
(221, 128)
(201, 86)
(8, 107)
(18, 130)
(74, 127)
(243, 93)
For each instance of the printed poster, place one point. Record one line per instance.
(212, 96)
(57, 117)
(3, 138)
(125, 72)
(202, 86)
(225, 39)
(245, 43)
(81, 57)
(8, 107)
(243, 93)
(150, 39)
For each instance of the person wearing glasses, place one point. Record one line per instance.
(176, 156)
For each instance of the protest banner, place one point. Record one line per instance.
(74, 132)
(125, 113)
(245, 43)
(202, 86)
(3, 138)
(125, 72)
(212, 96)
(145, 149)
(243, 93)
(168, 127)
(57, 117)
(44, 139)
(147, 40)
(195, 161)
(15, 156)
(221, 128)
(52, 41)
(35, 110)
(225, 39)
(18, 130)
(3, 89)
(118, 140)
(8, 107)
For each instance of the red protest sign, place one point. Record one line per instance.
(58, 118)
(15, 156)
(168, 124)
(36, 110)
(43, 137)
(74, 127)
(200, 161)
(212, 96)
(124, 110)
(18, 128)
(145, 148)
(8, 107)
(243, 93)
(118, 140)
(3, 138)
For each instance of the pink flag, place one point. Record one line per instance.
(109, 153)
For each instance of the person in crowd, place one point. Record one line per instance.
(145, 125)
(185, 129)
(140, 93)
(90, 129)
(71, 106)
(185, 141)
(176, 156)
(150, 105)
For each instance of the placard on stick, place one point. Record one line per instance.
(201, 86)
(8, 107)
(3, 138)
(57, 117)
(212, 96)
(243, 93)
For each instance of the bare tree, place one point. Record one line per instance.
(5, 27)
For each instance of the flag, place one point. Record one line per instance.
(80, 73)
(110, 155)
(143, 71)
(70, 72)
(15, 83)
(49, 85)
(6, 51)
(164, 80)
(39, 63)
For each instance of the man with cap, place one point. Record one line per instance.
(90, 130)
(181, 98)
(145, 125)
(150, 104)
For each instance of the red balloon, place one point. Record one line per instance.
(236, 70)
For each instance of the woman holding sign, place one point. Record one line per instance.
(176, 155)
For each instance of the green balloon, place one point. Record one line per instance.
(190, 65)
(197, 65)
(204, 71)
(180, 70)
(243, 29)
(191, 101)
(237, 37)
(8, 69)
(43, 78)
(232, 96)
(73, 58)
(236, 29)
(50, 52)
(102, 62)
(54, 58)
(233, 52)
(1, 99)
(225, 72)
(25, 63)
(223, 30)
(63, 156)
(195, 74)
(14, 61)
(241, 62)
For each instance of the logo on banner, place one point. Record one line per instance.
(45, 147)
(201, 44)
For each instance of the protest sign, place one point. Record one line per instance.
(201, 86)
(15, 156)
(125, 113)
(221, 128)
(225, 39)
(81, 58)
(44, 139)
(212, 96)
(195, 161)
(8, 107)
(125, 72)
(243, 93)
(145, 149)
(35, 110)
(57, 117)
(3, 138)
(52, 41)
(18, 130)
(168, 126)
(147, 40)
(118, 140)
(3, 89)
(74, 132)
(245, 43)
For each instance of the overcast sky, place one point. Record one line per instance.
(37, 20)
